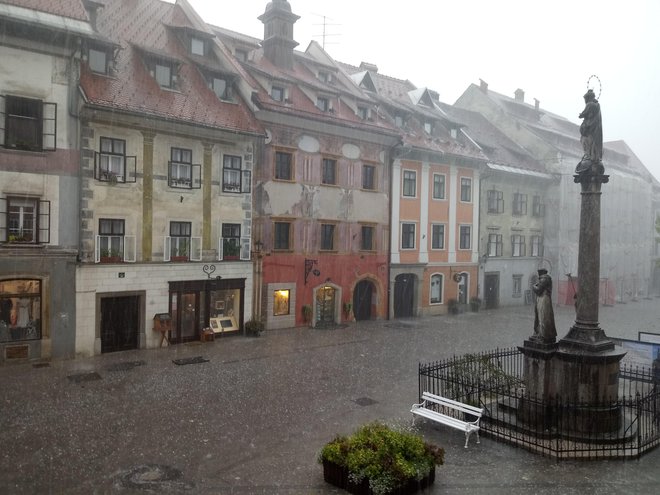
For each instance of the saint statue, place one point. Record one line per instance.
(544, 316)
(591, 132)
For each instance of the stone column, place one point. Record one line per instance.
(586, 363)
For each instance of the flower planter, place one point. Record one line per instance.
(339, 476)
(179, 258)
(110, 259)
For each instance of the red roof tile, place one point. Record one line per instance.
(72, 9)
(142, 25)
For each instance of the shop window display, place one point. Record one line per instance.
(20, 310)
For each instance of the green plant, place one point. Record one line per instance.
(254, 327)
(110, 253)
(347, 306)
(230, 248)
(307, 313)
(180, 249)
(386, 457)
(471, 373)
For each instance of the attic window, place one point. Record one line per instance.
(323, 104)
(98, 61)
(277, 93)
(197, 46)
(324, 76)
(220, 87)
(428, 127)
(398, 121)
(163, 75)
(241, 55)
(454, 132)
(363, 112)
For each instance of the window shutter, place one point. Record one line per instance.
(97, 249)
(49, 123)
(129, 248)
(246, 182)
(167, 244)
(130, 174)
(2, 120)
(245, 248)
(220, 248)
(44, 222)
(3, 219)
(195, 249)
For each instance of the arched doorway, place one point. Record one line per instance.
(463, 288)
(362, 300)
(404, 295)
(326, 306)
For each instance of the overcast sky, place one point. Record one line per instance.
(547, 48)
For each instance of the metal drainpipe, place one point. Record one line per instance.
(389, 223)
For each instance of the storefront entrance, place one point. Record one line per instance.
(199, 304)
(325, 306)
(120, 323)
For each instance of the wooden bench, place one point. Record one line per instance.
(444, 410)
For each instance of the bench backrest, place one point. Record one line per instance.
(452, 404)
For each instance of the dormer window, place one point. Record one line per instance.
(323, 103)
(241, 55)
(398, 121)
(454, 132)
(428, 127)
(98, 61)
(197, 46)
(324, 76)
(277, 93)
(363, 112)
(163, 75)
(220, 87)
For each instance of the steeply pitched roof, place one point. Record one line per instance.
(144, 27)
(72, 9)
(402, 98)
(495, 145)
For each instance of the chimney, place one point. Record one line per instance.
(370, 67)
(483, 86)
(278, 43)
(520, 95)
(537, 104)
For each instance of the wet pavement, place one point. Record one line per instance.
(251, 415)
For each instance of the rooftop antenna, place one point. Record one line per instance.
(325, 34)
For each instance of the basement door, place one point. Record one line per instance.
(119, 323)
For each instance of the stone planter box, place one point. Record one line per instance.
(338, 476)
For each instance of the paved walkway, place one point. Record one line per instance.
(252, 418)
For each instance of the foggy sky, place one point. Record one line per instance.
(549, 49)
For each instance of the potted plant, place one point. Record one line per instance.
(230, 250)
(379, 460)
(452, 307)
(475, 304)
(254, 327)
(347, 306)
(110, 256)
(180, 252)
(307, 313)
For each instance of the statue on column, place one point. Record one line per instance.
(544, 316)
(591, 132)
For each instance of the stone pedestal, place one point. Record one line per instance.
(535, 407)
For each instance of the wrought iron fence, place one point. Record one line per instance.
(554, 427)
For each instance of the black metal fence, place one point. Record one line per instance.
(554, 427)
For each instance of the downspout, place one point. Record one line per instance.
(390, 161)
